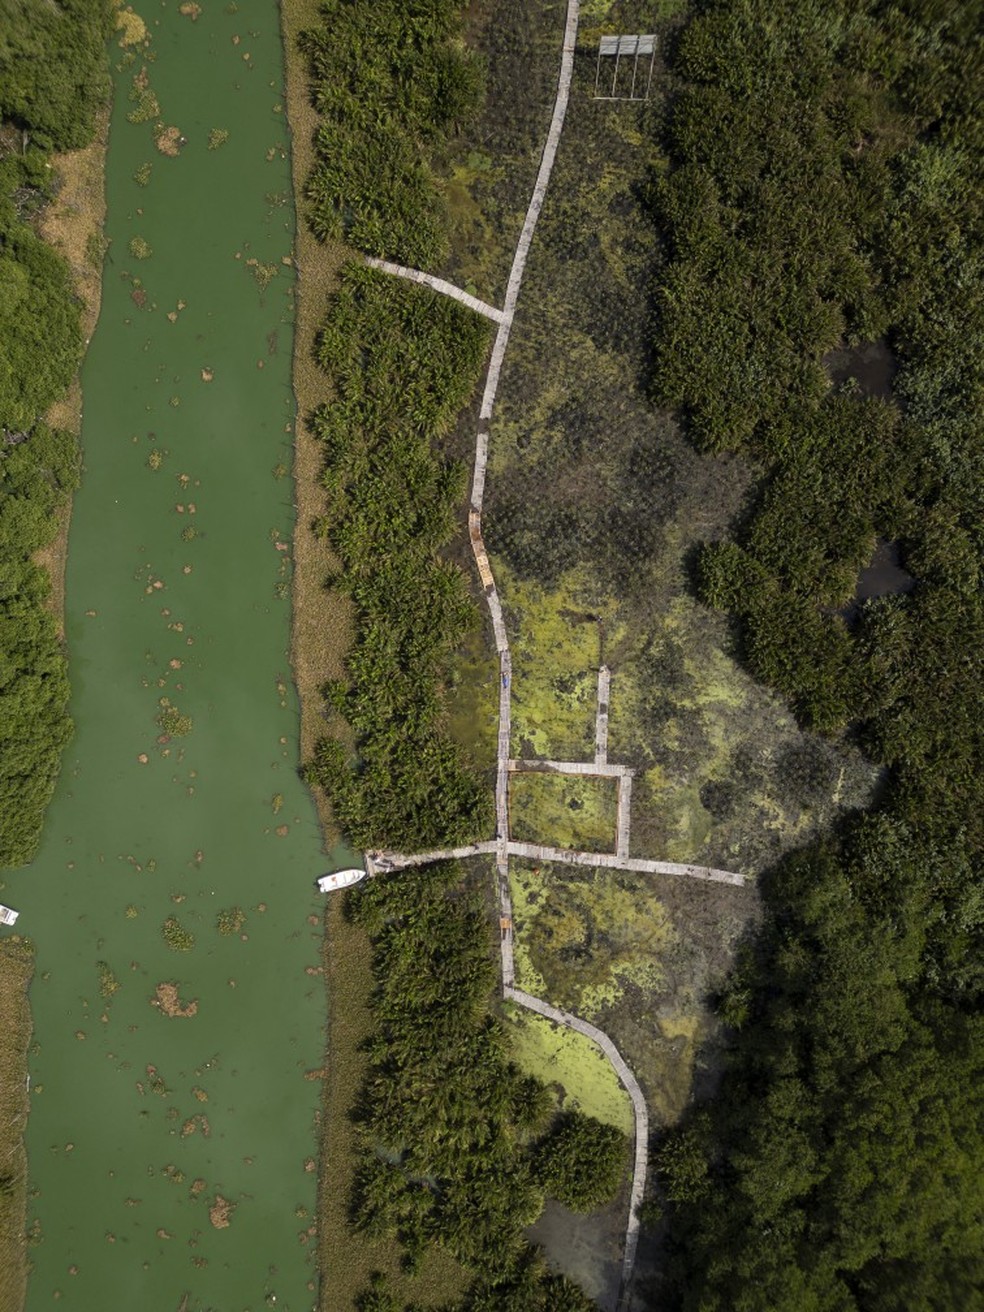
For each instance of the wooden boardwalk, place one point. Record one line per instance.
(601, 716)
(437, 285)
(380, 862)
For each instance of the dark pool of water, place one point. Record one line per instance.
(883, 577)
(587, 1249)
(872, 365)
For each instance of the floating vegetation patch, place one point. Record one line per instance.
(142, 176)
(587, 935)
(262, 273)
(108, 983)
(176, 936)
(221, 1211)
(572, 1065)
(231, 920)
(574, 811)
(217, 137)
(168, 140)
(172, 721)
(146, 107)
(168, 1001)
(131, 28)
(139, 248)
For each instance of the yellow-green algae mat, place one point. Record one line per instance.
(171, 1139)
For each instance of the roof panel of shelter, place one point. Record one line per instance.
(627, 45)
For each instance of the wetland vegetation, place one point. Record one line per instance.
(459, 1146)
(841, 204)
(52, 83)
(401, 364)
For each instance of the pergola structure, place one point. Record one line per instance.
(625, 51)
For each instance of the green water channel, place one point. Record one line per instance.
(178, 588)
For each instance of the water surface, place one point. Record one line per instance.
(142, 1124)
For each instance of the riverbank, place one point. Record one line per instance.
(321, 626)
(16, 971)
(73, 225)
(321, 636)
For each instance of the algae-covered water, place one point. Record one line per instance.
(171, 1158)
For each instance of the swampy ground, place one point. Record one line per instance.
(595, 503)
(178, 998)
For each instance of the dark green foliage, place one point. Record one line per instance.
(53, 68)
(403, 361)
(389, 82)
(51, 79)
(581, 1162)
(40, 340)
(447, 1150)
(36, 474)
(816, 194)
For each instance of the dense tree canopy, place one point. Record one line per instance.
(456, 1142)
(52, 76)
(389, 82)
(53, 73)
(821, 193)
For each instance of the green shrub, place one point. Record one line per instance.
(403, 361)
(581, 1162)
(388, 84)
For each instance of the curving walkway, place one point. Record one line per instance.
(631, 1085)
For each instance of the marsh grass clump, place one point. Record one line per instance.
(217, 137)
(146, 106)
(96, 246)
(263, 274)
(155, 459)
(139, 248)
(389, 86)
(142, 176)
(176, 936)
(230, 920)
(108, 983)
(172, 721)
(168, 139)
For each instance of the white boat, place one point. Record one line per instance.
(8, 916)
(340, 879)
